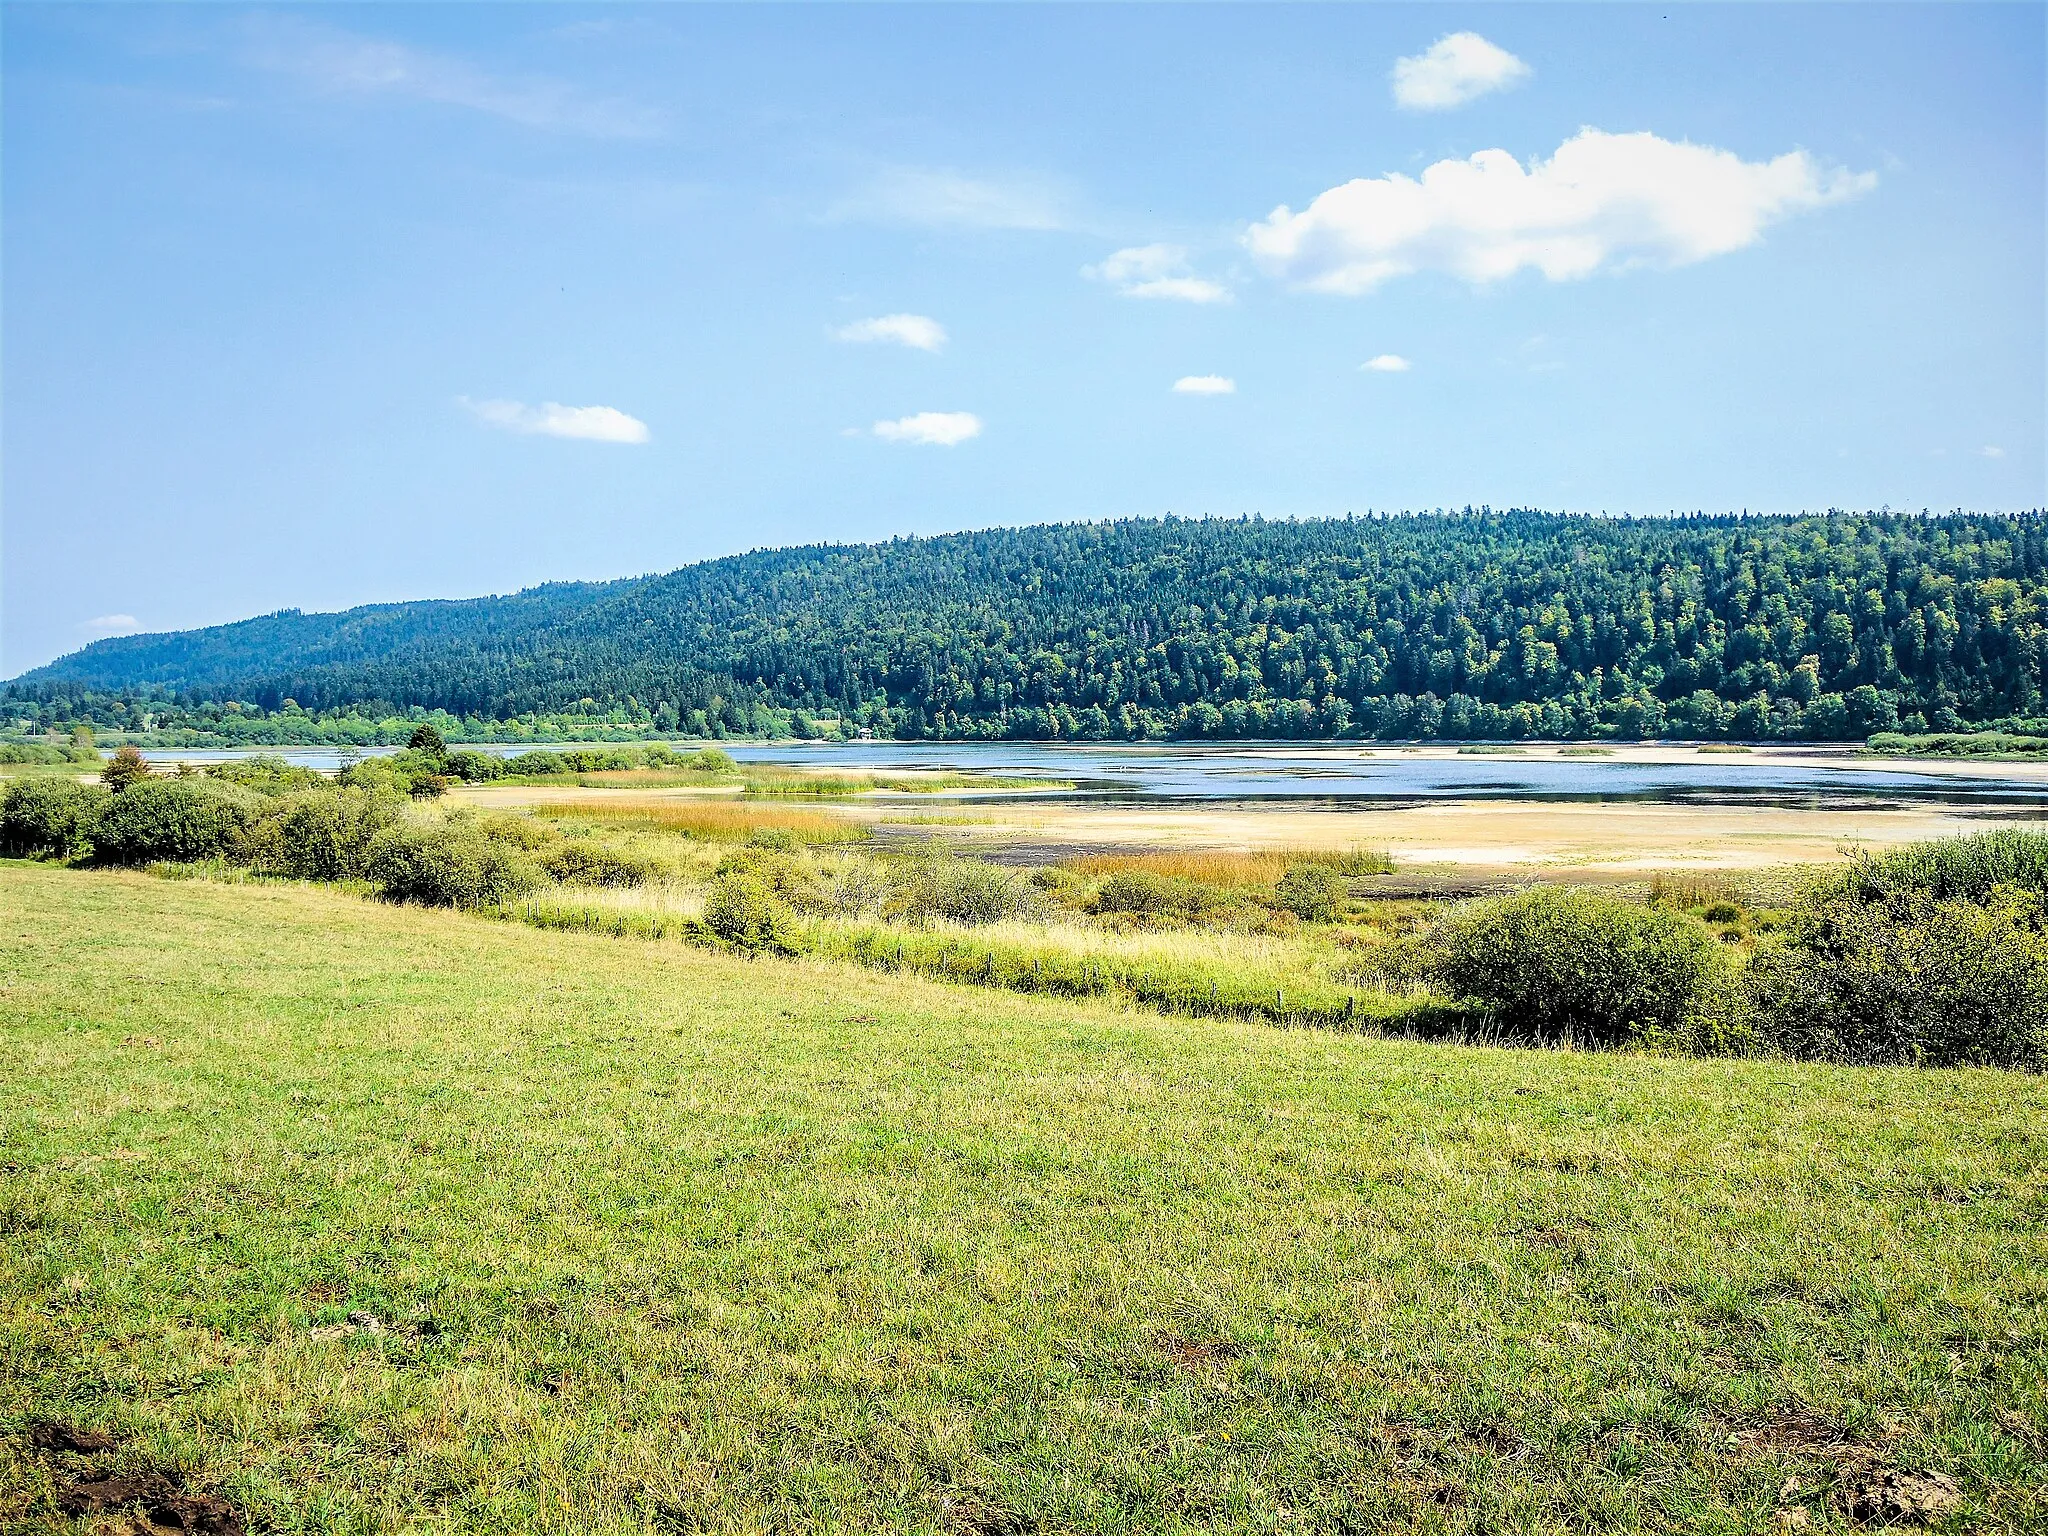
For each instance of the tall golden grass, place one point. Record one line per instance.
(715, 820)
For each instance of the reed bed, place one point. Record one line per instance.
(1197, 977)
(798, 783)
(664, 911)
(1224, 867)
(721, 821)
(649, 778)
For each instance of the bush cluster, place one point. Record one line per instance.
(481, 767)
(1579, 965)
(1934, 953)
(1315, 893)
(195, 818)
(50, 818)
(47, 755)
(452, 865)
(320, 834)
(745, 911)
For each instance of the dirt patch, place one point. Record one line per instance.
(1196, 1355)
(969, 1514)
(1865, 1485)
(1797, 1432)
(160, 1500)
(1567, 1235)
(68, 1439)
(1887, 1496)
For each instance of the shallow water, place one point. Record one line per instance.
(1382, 776)
(1387, 776)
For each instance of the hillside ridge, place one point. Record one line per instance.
(1467, 624)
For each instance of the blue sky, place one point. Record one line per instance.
(321, 305)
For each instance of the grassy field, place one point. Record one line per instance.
(660, 1240)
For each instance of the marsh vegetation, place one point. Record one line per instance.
(1928, 955)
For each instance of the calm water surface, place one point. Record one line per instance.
(1186, 772)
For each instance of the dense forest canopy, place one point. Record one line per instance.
(1468, 625)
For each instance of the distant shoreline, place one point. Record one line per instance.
(1732, 754)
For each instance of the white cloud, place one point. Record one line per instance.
(1990, 452)
(920, 331)
(112, 624)
(1205, 384)
(592, 423)
(1603, 201)
(1386, 362)
(346, 63)
(1155, 272)
(941, 428)
(1454, 70)
(906, 196)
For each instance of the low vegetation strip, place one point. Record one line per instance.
(1933, 955)
(361, 1216)
(1027, 963)
(714, 820)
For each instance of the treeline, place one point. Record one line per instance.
(165, 720)
(1471, 625)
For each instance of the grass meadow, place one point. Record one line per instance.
(638, 1237)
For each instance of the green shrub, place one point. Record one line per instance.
(521, 832)
(475, 767)
(1579, 964)
(744, 911)
(46, 818)
(963, 891)
(710, 760)
(788, 878)
(536, 765)
(320, 834)
(1965, 868)
(174, 819)
(267, 774)
(448, 866)
(1141, 893)
(44, 754)
(1314, 893)
(125, 767)
(581, 862)
(1913, 978)
(428, 743)
(405, 773)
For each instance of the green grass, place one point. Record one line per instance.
(723, 1245)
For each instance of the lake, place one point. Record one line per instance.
(1182, 771)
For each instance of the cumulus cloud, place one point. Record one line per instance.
(592, 423)
(1205, 384)
(920, 331)
(1155, 272)
(942, 429)
(904, 195)
(1386, 362)
(1454, 70)
(112, 624)
(1603, 201)
(345, 63)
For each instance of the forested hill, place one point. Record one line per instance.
(1466, 625)
(229, 657)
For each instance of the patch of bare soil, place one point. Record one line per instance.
(1196, 1354)
(1861, 1480)
(159, 1500)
